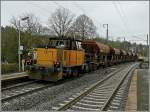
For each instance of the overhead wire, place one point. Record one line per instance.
(83, 10)
(74, 4)
(87, 14)
(38, 8)
(137, 37)
(48, 11)
(122, 19)
(123, 13)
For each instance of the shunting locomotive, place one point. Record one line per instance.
(60, 58)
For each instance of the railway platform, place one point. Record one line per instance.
(139, 91)
(13, 76)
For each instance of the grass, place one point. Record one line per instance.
(9, 68)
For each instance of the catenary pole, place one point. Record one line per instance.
(106, 32)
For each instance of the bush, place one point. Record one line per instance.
(9, 68)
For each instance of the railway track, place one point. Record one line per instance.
(17, 85)
(18, 90)
(118, 101)
(23, 89)
(104, 95)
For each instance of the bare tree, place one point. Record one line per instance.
(15, 22)
(60, 22)
(31, 25)
(84, 26)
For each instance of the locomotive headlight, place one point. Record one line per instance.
(57, 64)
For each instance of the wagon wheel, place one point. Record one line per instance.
(91, 67)
(86, 68)
(69, 73)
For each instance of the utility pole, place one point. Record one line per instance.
(106, 32)
(147, 49)
(124, 43)
(19, 48)
(19, 51)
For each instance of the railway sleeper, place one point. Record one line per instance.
(98, 96)
(83, 108)
(91, 102)
(93, 99)
(93, 106)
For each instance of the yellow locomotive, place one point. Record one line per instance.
(60, 58)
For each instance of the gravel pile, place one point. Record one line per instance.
(50, 97)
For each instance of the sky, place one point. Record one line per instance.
(129, 19)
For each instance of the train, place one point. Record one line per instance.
(67, 57)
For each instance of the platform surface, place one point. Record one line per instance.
(13, 76)
(142, 90)
(138, 96)
(131, 104)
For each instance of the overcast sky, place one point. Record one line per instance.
(125, 18)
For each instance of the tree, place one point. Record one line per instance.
(84, 26)
(31, 25)
(60, 22)
(9, 44)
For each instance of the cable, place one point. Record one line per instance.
(85, 11)
(137, 37)
(58, 4)
(35, 5)
(38, 8)
(76, 5)
(123, 13)
(120, 15)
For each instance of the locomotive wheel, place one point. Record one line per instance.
(75, 73)
(69, 73)
(65, 75)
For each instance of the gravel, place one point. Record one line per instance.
(50, 97)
